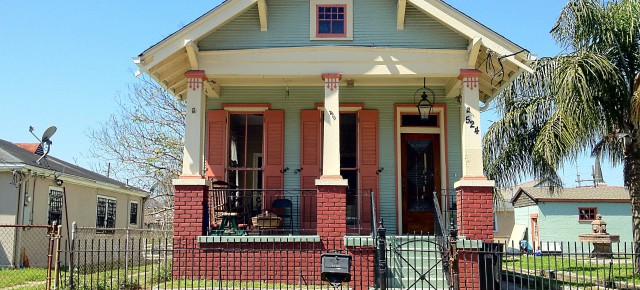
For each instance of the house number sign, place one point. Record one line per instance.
(469, 119)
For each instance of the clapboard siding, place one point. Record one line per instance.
(373, 98)
(374, 25)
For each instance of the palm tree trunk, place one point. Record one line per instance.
(632, 181)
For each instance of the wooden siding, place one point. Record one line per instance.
(374, 25)
(374, 98)
(523, 200)
(558, 221)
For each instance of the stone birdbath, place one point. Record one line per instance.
(600, 238)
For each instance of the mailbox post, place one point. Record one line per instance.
(335, 268)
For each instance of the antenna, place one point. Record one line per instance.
(45, 142)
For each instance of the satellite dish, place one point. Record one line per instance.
(46, 136)
(45, 143)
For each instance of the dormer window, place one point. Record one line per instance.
(331, 19)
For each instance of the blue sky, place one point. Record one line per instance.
(63, 62)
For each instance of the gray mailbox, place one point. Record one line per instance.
(335, 267)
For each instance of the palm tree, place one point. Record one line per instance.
(583, 100)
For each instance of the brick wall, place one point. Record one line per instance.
(247, 263)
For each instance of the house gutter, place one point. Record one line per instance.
(72, 179)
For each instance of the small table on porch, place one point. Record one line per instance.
(228, 226)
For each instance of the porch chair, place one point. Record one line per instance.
(283, 208)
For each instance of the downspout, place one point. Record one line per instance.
(18, 219)
(20, 204)
(33, 198)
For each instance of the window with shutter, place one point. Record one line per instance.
(358, 162)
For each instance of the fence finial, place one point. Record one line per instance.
(453, 231)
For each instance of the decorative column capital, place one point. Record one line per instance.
(195, 78)
(332, 80)
(469, 78)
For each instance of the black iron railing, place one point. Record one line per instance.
(281, 212)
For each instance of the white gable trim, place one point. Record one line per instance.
(316, 60)
(213, 20)
(228, 10)
(471, 29)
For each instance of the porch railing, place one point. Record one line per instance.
(281, 211)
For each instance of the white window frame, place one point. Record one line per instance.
(313, 14)
(107, 210)
(137, 212)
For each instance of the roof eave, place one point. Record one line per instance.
(72, 179)
(211, 20)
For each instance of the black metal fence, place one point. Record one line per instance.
(293, 262)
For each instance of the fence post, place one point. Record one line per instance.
(72, 246)
(382, 253)
(453, 258)
(56, 271)
(126, 253)
(50, 254)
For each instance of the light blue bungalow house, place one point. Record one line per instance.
(562, 215)
(281, 93)
(312, 105)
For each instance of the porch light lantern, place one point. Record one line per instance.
(427, 101)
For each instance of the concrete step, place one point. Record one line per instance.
(412, 284)
(411, 272)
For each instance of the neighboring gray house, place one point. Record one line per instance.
(563, 214)
(33, 193)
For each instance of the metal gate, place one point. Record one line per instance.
(418, 261)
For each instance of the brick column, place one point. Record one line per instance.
(189, 210)
(469, 275)
(475, 211)
(332, 213)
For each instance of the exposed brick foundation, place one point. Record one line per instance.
(475, 212)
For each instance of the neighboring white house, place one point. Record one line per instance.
(33, 193)
(563, 214)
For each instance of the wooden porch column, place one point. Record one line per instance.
(470, 113)
(331, 141)
(193, 157)
(331, 199)
(473, 190)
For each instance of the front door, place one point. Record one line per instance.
(420, 178)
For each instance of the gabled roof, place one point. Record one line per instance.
(14, 157)
(229, 9)
(168, 60)
(576, 194)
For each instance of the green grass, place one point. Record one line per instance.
(136, 277)
(583, 271)
(14, 277)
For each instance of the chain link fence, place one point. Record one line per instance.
(26, 255)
